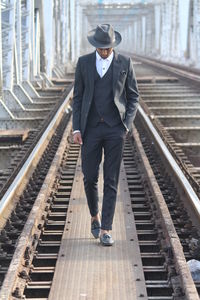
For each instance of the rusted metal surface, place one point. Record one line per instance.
(165, 237)
(13, 226)
(85, 268)
(7, 201)
(173, 242)
(142, 262)
(192, 196)
(36, 127)
(28, 238)
(171, 105)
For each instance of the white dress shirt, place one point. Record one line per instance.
(102, 66)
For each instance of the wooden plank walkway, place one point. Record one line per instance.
(87, 270)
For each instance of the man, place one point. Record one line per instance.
(104, 106)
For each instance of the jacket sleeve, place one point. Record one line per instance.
(77, 97)
(132, 96)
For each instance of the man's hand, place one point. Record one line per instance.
(77, 138)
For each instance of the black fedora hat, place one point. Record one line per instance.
(104, 36)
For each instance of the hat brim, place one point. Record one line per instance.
(97, 44)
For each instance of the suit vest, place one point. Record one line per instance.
(103, 108)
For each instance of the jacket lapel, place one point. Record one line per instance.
(116, 70)
(91, 71)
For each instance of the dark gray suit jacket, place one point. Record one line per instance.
(125, 89)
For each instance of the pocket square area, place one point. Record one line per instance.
(123, 72)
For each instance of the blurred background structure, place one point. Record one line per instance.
(42, 39)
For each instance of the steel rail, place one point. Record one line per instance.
(176, 169)
(7, 198)
(188, 285)
(186, 74)
(13, 284)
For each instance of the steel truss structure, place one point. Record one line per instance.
(39, 39)
(169, 30)
(36, 44)
(165, 29)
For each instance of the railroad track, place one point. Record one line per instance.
(15, 151)
(165, 220)
(33, 265)
(21, 184)
(33, 270)
(171, 99)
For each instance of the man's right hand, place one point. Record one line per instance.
(77, 138)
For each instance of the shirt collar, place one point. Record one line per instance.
(109, 58)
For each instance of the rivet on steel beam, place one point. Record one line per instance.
(39, 226)
(17, 293)
(24, 275)
(27, 253)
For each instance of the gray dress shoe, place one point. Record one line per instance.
(95, 228)
(106, 240)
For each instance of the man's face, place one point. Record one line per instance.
(104, 53)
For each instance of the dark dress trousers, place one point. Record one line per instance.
(103, 109)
